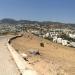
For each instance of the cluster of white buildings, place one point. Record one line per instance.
(56, 37)
(50, 34)
(59, 40)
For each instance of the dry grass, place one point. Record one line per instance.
(54, 59)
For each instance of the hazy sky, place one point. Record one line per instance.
(51, 10)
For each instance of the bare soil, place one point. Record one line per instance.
(7, 63)
(54, 59)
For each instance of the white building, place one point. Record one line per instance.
(65, 42)
(72, 36)
(47, 34)
(55, 39)
(35, 32)
(59, 40)
(72, 44)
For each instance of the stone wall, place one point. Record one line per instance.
(23, 66)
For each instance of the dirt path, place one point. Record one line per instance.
(7, 64)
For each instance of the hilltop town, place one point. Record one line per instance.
(47, 47)
(54, 31)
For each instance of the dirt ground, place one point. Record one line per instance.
(54, 59)
(7, 63)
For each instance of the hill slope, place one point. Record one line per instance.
(54, 59)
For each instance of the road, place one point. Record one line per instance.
(7, 64)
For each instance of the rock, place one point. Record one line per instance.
(30, 72)
(34, 51)
(24, 56)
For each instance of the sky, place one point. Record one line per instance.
(41, 10)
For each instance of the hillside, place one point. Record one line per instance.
(13, 21)
(54, 59)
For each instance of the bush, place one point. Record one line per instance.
(42, 44)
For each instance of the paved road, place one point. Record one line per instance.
(7, 64)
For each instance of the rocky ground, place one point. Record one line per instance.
(52, 59)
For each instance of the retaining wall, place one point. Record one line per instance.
(22, 65)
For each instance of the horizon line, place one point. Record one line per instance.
(39, 20)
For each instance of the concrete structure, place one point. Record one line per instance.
(22, 65)
(7, 64)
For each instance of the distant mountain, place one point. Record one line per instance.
(12, 21)
(27, 22)
(8, 20)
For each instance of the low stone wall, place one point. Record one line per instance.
(23, 66)
(9, 41)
